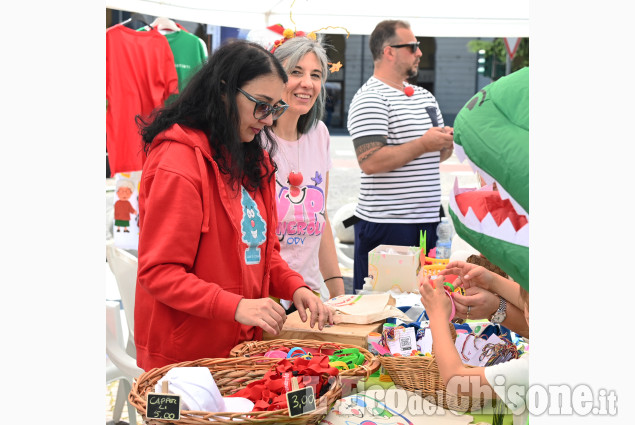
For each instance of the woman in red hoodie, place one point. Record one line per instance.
(208, 255)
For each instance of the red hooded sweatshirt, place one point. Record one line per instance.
(192, 255)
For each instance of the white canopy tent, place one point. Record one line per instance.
(428, 18)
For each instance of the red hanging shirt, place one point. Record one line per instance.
(140, 76)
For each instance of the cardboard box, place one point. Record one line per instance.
(394, 267)
(344, 333)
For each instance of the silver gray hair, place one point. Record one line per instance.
(292, 51)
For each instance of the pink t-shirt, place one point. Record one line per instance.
(301, 207)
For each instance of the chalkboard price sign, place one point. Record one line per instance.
(301, 401)
(163, 406)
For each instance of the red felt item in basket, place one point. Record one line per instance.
(269, 393)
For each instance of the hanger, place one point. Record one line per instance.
(136, 19)
(165, 24)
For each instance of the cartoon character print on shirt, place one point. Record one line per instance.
(123, 208)
(300, 210)
(254, 228)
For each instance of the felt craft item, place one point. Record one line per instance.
(269, 393)
(491, 132)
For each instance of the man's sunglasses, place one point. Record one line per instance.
(263, 109)
(413, 46)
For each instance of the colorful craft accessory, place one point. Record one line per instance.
(299, 352)
(350, 356)
(499, 353)
(276, 354)
(381, 349)
(449, 294)
(340, 365)
(384, 378)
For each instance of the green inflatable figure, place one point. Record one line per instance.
(492, 132)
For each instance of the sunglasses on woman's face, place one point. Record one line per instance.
(413, 46)
(263, 109)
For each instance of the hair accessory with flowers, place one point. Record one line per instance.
(288, 34)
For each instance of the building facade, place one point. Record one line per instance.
(447, 69)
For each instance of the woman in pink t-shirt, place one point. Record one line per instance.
(303, 160)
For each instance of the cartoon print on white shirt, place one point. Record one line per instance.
(300, 210)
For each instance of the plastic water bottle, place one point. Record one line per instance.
(444, 238)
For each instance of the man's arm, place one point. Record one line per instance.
(375, 156)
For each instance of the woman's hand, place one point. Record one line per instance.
(469, 275)
(304, 299)
(436, 301)
(482, 303)
(262, 312)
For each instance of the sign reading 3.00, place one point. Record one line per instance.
(301, 401)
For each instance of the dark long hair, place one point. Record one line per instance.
(208, 103)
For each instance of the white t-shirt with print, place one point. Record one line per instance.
(301, 207)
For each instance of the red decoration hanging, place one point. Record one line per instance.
(295, 178)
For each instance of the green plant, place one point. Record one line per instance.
(499, 412)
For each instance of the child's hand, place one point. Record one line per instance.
(436, 301)
(470, 275)
(482, 303)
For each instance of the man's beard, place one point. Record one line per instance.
(412, 72)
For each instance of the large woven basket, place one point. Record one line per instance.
(421, 373)
(230, 376)
(257, 348)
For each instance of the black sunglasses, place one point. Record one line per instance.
(263, 109)
(413, 46)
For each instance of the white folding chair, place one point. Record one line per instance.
(124, 267)
(120, 365)
(344, 237)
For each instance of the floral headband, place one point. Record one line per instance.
(288, 34)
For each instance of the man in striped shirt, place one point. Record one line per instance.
(399, 139)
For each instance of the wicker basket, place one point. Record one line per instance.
(432, 270)
(230, 376)
(251, 348)
(421, 373)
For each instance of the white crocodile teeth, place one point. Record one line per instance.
(488, 226)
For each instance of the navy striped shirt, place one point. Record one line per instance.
(409, 194)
